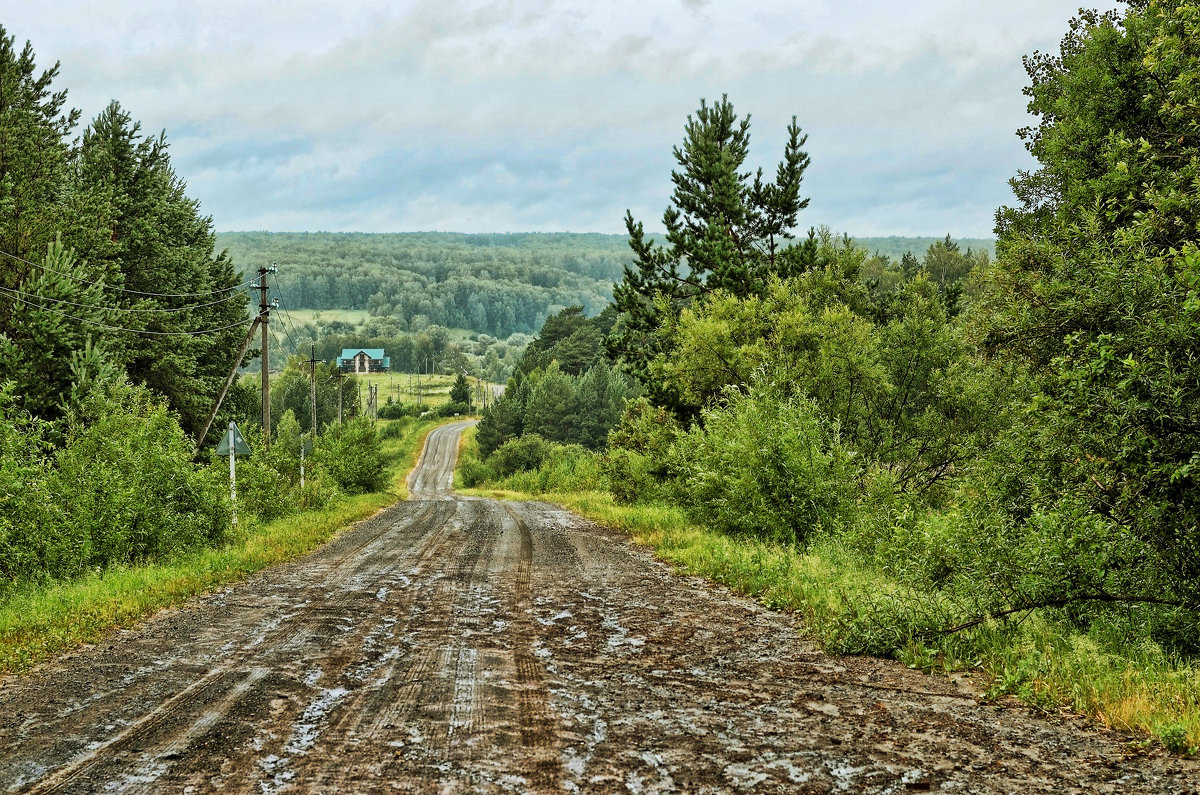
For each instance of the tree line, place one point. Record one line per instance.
(493, 284)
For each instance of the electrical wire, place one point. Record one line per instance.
(148, 332)
(160, 310)
(104, 286)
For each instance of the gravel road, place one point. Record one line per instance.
(467, 645)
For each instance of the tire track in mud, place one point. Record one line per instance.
(538, 728)
(228, 683)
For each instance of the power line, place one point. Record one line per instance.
(104, 286)
(89, 322)
(168, 310)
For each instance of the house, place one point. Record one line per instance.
(364, 360)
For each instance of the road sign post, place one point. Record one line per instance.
(231, 444)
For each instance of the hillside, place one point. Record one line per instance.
(497, 284)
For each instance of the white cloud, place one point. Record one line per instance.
(540, 114)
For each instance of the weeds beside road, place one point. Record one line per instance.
(39, 621)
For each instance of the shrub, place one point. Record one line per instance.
(29, 513)
(520, 454)
(394, 411)
(134, 492)
(474, 471)
(638, 463)
(452, 408)
(768, 466)
(352, 456)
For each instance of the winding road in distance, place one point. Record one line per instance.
(451, 644)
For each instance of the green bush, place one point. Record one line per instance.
(134, 493)
(352, 455)
(520, 454)
(394, 429)
(768, 466)
(453, 408)
(394, 411)
(638, 463)
(474, 472)
(29, 511)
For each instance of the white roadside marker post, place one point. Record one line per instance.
(233, 470)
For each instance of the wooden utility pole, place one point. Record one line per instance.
(228, 381)
(340, 375)
(312, 386)
(264, 314)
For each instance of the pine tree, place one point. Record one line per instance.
(156, 244)
(34, 154)
(726, 228)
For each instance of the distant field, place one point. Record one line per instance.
(318, 317)
(403, 388)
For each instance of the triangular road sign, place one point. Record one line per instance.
(233, 436)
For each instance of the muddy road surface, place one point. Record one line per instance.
(466, 645)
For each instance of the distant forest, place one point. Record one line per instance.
(497, 284)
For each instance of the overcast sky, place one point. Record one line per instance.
(405, 115)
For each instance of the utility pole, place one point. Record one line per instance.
(340, 375)
(312, 386)
(228, 381)
(264, 313)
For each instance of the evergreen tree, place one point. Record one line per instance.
(460, 392)
(726, 228)
(160, 252)
(34, 156)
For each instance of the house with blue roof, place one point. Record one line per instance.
(364, 360)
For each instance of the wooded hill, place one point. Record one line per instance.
(496, 284)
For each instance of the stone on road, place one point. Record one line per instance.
(469, 645)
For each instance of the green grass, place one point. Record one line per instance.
(1136, 689)
(355, 317)
(40, 621)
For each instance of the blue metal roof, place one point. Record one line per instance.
(374, 353)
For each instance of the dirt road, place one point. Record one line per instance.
(462, 645)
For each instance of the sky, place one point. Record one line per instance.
(533, 115)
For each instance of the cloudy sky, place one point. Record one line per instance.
(536, 115)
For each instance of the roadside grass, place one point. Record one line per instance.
(1130, 686)
(43, 620)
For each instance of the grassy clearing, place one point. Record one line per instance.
(1136, 689)
(39, 622)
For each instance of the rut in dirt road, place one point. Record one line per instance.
(468, 645)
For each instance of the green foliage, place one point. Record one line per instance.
(28, 509)
(134, 494)
(522, 453)
(768, 465)
(563, 406)
(1095, 297)
(724, 231)
(453, 409)
(394, 411)
(640, 451)
(39, 349)
(105, 233)
(903, 391)
(352, 456)
(565, 468)
(461, 391)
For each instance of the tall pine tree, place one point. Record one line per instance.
(726, 228)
